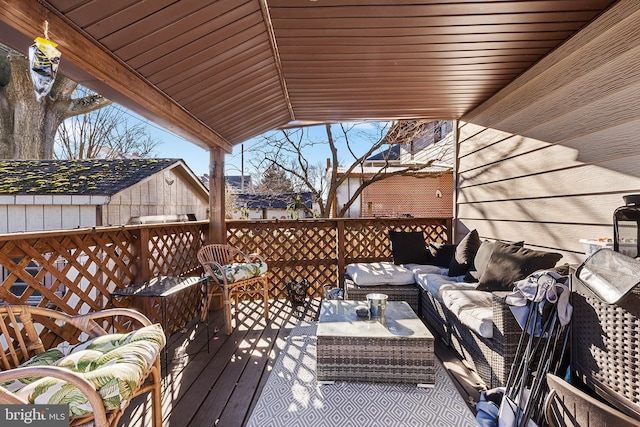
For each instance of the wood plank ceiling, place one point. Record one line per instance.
(243, 67)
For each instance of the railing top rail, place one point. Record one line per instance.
(102, 229)
(321, 220)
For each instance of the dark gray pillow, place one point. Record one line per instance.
(441, 254)
(409, 247)
(482, 259)
(510, 263)
(464, 254)
(479, 262)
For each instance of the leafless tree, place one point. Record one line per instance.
(289, 150)
(104, 133)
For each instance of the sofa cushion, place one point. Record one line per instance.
(436, 283)
(441, 254)
(409, 247)
(510, 263)
(379, 273)
(114, 364)
(426, 269)
(473, 309)
(464, 254)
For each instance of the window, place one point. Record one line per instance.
(19, 286)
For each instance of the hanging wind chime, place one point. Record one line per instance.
(43, 63)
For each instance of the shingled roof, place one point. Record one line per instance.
(274, 200)
(390, 153)
(92, 177)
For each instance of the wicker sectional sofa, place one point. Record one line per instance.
(490, 357)
(468, 309)
(461, 292)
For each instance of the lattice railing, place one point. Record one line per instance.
(318, 250)
(77, 270)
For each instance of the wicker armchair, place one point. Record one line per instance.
(24, 359)
(235, 274)
(568, 406)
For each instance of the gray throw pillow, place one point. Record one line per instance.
(465, 253)
(482, 259)
(510, 263)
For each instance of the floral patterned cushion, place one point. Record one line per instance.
(113, 363)
(241, 271)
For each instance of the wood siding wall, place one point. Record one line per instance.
(20, 218)
(166, 193)
(548, 159)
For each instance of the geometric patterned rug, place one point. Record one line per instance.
(292, 397)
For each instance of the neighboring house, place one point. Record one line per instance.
(37, 195)
(390, 156)
(238, 183)
(245, 203)
(424, 193)
(270, 206)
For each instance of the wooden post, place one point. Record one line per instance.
(217, 227)
(340, 246)
(141, 251)
(456, 181)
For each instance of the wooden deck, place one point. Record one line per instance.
(219, 386)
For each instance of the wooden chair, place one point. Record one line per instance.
(21, 341)
(218, 261)
(568, 406)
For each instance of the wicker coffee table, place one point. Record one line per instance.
(398, 348)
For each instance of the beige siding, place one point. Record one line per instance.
(19, 218)
(344, 193)
(16, 218)
(548, 159)
(166, 193)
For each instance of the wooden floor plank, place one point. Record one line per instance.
(212, 386)
(230, 375)
(235, 409)
(220, 386)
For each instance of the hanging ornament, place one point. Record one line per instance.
(43, 63)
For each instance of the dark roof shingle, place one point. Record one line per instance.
(275, 200)
(94, 176)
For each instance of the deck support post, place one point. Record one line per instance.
(217, 227)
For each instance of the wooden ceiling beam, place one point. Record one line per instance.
(128, 87)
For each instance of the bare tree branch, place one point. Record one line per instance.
(87, 104)
(289, 151)
(103, 133)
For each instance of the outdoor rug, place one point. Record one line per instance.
(292, 397)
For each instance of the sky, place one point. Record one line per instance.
(197, 159)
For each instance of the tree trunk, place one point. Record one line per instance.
(34, 123)
(28, 127)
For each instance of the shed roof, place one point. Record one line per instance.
(76, 177)
(219, 73)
